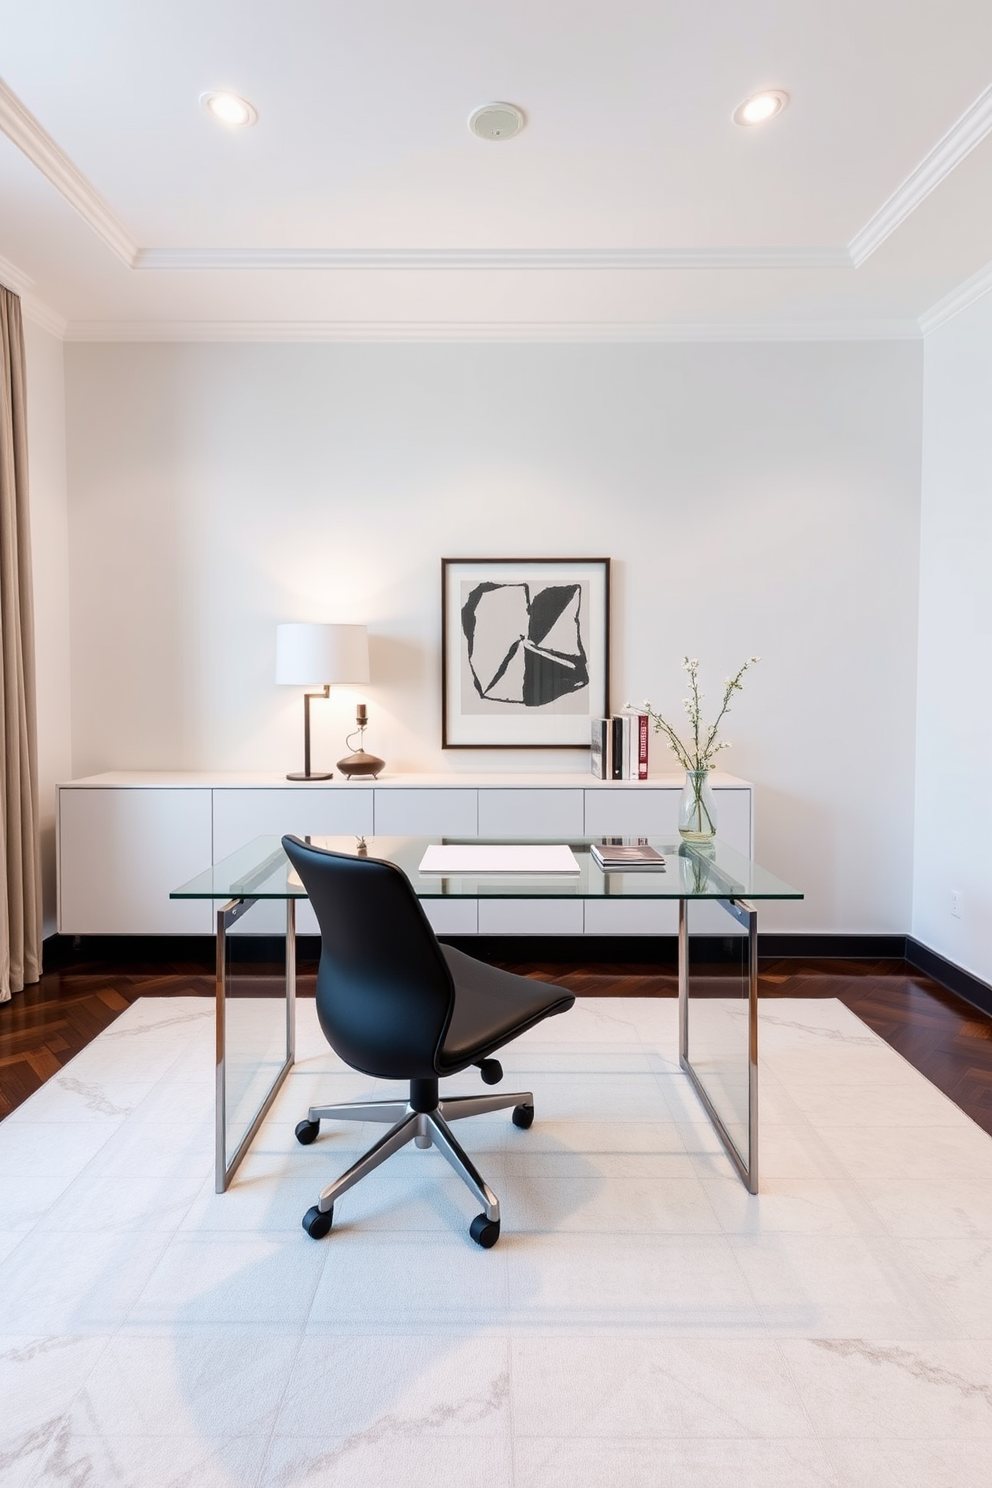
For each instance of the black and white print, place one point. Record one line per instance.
(525, 651)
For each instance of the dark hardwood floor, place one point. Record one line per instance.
(944, 1037)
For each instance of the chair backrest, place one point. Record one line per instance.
(384, 991)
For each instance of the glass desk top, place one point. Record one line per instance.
(261, 870)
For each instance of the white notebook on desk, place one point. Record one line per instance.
(479, 858)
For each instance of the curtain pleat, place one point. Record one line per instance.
(20, 856)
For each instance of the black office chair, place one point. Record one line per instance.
(395, 1003)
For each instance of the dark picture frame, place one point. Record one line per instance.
(525, 651)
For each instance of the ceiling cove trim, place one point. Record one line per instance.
(44, 316)
(11, 277)
(617, 332)
(959, 299)
(492, 258)
(962, 137)
(23, 130)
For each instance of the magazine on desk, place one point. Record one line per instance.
(629, 854)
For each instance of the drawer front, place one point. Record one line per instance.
(631, 917)
(733, 818)
(122, 851)
(530, 916)
(426, 813)
(452, 916)
(240, 815)
(635, 812)
(531, 813)
(655, 813)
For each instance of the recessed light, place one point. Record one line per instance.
(761, 107)
(496, 121)
(229, 108)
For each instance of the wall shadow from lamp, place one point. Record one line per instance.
(317, 656)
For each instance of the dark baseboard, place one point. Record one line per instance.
(954, 978)
(195, 953)
(832, 947)
(570, 950)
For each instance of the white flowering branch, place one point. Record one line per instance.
(700, 752)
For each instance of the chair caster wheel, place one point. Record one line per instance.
(484, 1232)
(491, 1071)
(317, 1222)
(306, 1132)
(523, 1116)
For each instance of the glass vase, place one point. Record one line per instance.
(697, 809)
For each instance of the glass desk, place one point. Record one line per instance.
(716, 889)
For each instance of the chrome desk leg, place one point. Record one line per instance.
(747, 916)
(683, 983)
(227, 915)
(290, 981)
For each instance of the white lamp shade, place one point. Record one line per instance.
(313, 655)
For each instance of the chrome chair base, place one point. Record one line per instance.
(424, 1129)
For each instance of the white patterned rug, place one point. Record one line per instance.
(642, 1321)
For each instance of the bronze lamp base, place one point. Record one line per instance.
(361, 763)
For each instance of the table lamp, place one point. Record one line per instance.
(317, 656)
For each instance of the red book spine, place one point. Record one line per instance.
(642, 746)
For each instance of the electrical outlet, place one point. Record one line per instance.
(956, 903)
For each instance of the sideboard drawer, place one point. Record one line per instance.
(120, 854)
(240, 815)
(531, 813)
(647, 812)
(424, 813)
(631, 917)
(733, 818)
(530, 916)
(452, 916)
(638, 811)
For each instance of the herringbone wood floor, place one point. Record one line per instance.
(946, 1039)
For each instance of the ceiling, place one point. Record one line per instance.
(359, 206)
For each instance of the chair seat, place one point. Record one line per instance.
(491, 1007)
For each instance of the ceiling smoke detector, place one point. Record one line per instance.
(496, 121)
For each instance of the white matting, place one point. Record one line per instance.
(641, 1322)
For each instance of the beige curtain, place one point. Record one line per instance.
(20, 866)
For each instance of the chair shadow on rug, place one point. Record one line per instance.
(396, 1004)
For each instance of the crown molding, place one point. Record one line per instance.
(185, 259)
(44, 316)
(959, 141)
(11, 277)
(33, 309)
(572, 332)
(959, 299)
(23, 130)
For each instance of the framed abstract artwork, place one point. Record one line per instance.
(525, 651)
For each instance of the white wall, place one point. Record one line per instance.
(49, 546)
(756, 498)
(954, 796)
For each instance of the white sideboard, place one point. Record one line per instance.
(126, 838)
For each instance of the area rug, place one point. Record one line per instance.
(642, 1321)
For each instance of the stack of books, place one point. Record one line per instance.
(629, 854)
(620, 747)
